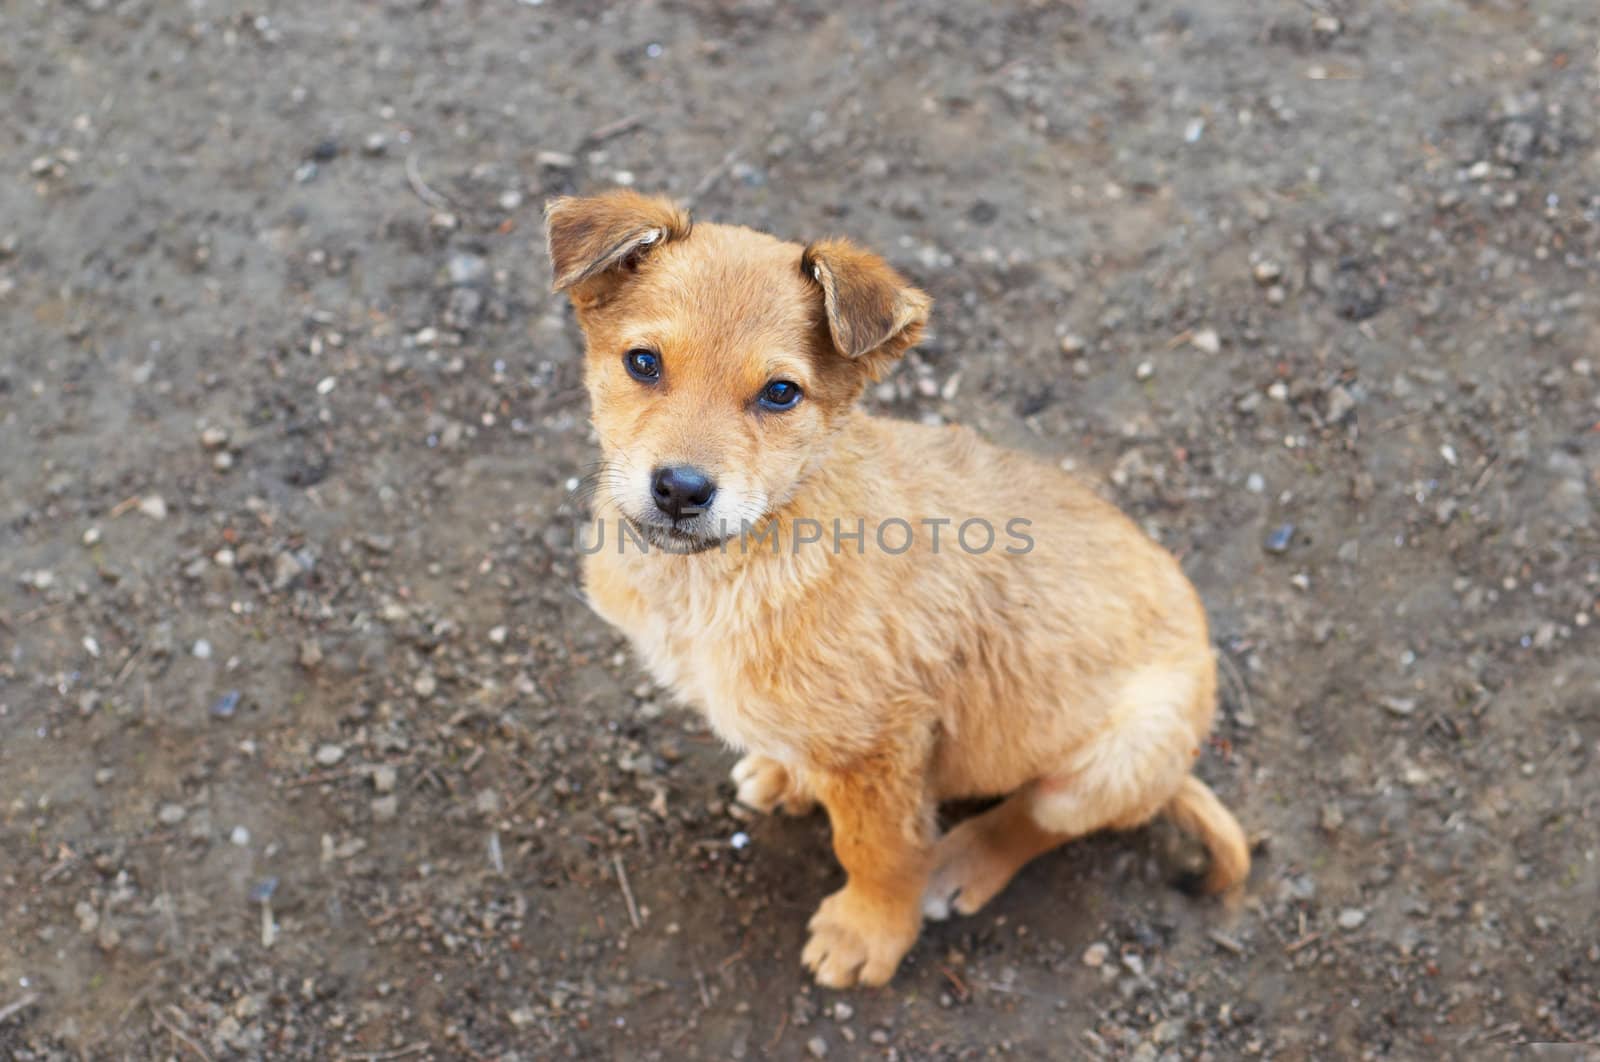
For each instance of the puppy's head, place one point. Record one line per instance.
(720, 360)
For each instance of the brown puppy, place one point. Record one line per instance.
(812, 579)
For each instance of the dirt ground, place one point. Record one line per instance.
(309, 749)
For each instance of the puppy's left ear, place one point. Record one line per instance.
(594, 239)
(874, 314)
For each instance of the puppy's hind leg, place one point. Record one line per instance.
(1119, 779)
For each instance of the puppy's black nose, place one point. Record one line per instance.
(681, 491)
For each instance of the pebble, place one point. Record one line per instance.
(240, 836)
(328, 755)
(1279, 541)
(154, 506)
(1095, 955)
(817, 1047)
(214, 438)
(91, 537)
(1340, 404)
(202, 649)
(497, 635)
(172, 814)
(226, 705)
(425, 684)
(1352, 918)
(385, 808)
(384, 778)
(1267, 272)
(843, 1011)
(1254, 483)
(310, 654)
(1207, 341)
(467, 269)
(1144, 370)
(1072, 344)
(286, 570)
(375, 144)
(222, 460)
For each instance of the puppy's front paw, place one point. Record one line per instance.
(764, 784)
(856, 941)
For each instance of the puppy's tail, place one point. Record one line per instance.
(1197, 810)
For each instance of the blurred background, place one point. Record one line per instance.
(308, 748)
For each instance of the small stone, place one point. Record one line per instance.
(843, 1011)
(240, 836)
(425, 684)
(88, 917)
(817, 1047)
(1352, 918)
(497, 635)
(1267, 272)
(375, 144)
(1207, 341)
(487, 802)
(222, 460)
(286, 570)
(1332, 817)
(555, 160)
(467, 269)
(328, 755)
(1340, 404)
(384, 778)
(385, 808)
(1280, 540)
(226, 705)
(202, 650)
(1095, 955)
(310, 654)
(154, 506)
(91, 537)
(523, 1017)
(172, 814)
(104, 776)
(214, 438)
(1072, 344)
(1254, 483)
(1144, 370)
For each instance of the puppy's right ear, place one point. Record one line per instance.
(594, 239)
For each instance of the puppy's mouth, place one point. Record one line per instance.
(677, 537)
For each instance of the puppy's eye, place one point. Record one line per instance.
(780, 395)
(643, 365)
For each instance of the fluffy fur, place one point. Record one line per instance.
(1075, 678)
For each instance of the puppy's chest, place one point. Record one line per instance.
(704, 654)
(708, 668)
